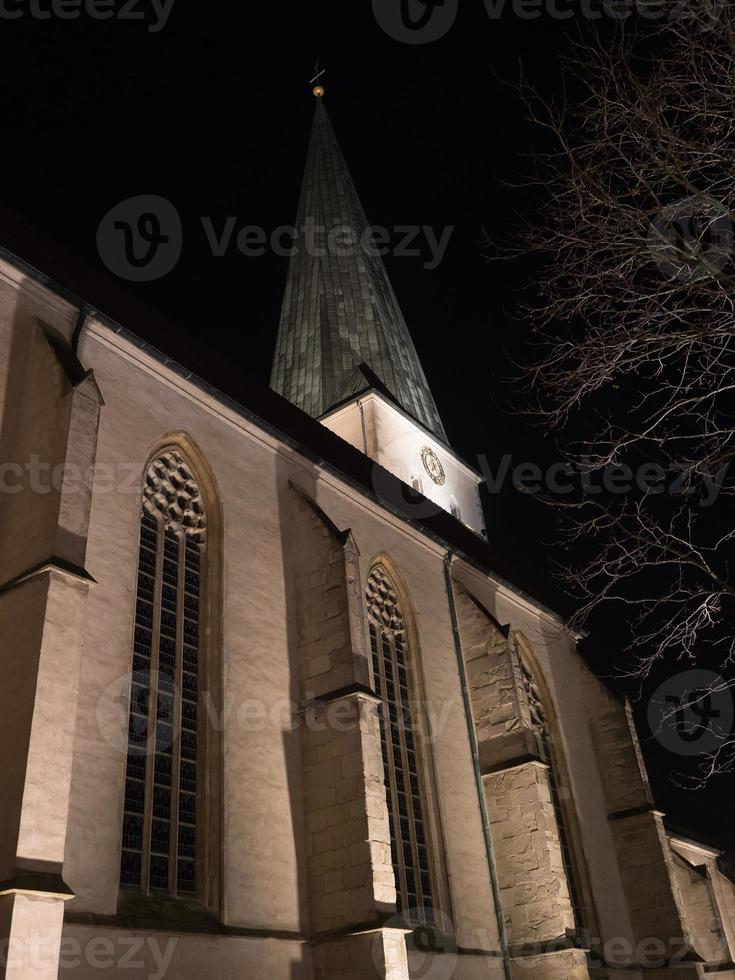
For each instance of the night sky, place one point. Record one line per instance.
(213, 113)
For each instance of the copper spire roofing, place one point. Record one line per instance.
(339, 309)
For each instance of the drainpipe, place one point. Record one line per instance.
(364, 430)
(495, 888)
(84, 314)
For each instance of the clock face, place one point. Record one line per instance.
(433, 466)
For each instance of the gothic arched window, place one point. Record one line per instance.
(161, 810)
(542, 728)
(403, 777)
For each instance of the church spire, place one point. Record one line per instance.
(339, 312)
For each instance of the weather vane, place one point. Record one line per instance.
(318, 89)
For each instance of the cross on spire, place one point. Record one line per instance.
(318, 88)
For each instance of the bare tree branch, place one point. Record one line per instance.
(633, 322)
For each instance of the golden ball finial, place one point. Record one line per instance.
(319, 91)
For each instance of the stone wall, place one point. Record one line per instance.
(617, 748)
(363, 957)
(348, 837)
(48, 439)
(531, 878)
(639, 838)
(351, 881)
(647, 873)
(499, 709)
(566, 964)
(707, 897)
(697, 899)
(90, 952)
(294, 628)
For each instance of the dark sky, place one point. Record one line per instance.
(213, 113)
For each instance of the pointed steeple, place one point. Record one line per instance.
(339, 310)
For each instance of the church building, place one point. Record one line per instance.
(273, 706)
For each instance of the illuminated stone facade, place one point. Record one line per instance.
(375, 714)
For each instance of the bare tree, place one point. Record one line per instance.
(634, 323)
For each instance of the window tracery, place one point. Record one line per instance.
(159, 843)
(403, 778)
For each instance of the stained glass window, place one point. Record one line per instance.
(403, 778)
(160, 810)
